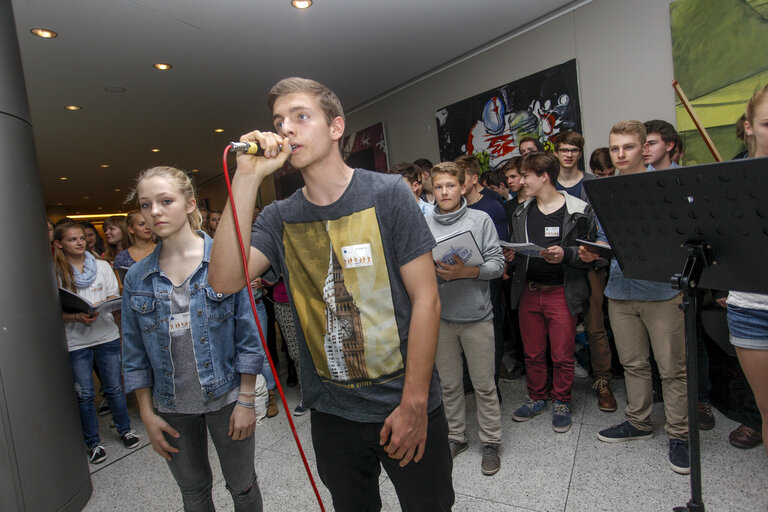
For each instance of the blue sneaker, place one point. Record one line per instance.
(679, 456)
(561, 417)
(300, 410)
(623, 432)
(529, 409)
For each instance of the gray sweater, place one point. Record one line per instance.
(469, 300)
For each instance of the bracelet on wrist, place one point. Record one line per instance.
(247, 405)
(248, 393)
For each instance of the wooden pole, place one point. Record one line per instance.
(696, 121)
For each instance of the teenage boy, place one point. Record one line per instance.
(413, 178)
(478, 199)
(497, 182)
(569, 147)
(355, 253)
(466, 317)
(530, 145)
(640, 310)
(511, 170)
(427, 194)
(660, 143)
(552, 289)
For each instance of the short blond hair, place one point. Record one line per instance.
(450, 168)
(631, 127)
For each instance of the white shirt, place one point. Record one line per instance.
(104, 328)
(748, 300)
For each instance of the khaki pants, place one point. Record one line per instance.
(633, 322)
(476, 340)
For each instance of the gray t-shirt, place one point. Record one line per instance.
(341, 265)
(190, 398)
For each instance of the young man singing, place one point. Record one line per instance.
(355, 252)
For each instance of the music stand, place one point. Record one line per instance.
(700, 226)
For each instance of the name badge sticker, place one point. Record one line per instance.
(357, 256)
(551, 231)
(179, 322)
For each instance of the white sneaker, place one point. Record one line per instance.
(579, 370)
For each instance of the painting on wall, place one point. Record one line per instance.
(720, 59)
(491, 124)
(365, 149)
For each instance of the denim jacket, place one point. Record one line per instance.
(226, 340)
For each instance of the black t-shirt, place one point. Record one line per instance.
(545, 231)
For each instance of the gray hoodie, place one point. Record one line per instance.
(469, 300)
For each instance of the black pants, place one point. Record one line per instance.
(348, 457)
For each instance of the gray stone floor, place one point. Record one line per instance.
(541, 470)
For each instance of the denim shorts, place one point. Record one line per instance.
(749, 327)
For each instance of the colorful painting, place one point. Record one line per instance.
(366, 148)
(720, 58)
(491, 124)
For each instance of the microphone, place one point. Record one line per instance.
(249, 148)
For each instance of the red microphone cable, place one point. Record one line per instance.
(263, 339)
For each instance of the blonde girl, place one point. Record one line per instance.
(191, 354)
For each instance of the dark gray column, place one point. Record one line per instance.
(43, 465)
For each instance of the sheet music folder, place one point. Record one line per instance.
(649, 217)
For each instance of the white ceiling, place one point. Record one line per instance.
(225, 55)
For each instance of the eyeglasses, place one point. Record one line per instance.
(569, 151)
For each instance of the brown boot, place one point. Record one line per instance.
(745, 437)
(605, 400)
(272, 409)
(706, 417)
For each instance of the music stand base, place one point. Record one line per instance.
(690, 507)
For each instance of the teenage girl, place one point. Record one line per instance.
(191, 354)
(748, 312)
(116, 233)
(92, 339)
(141, 242)
(94, 242)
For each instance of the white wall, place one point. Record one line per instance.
(623, 51)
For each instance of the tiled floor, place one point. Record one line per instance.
(541, 470)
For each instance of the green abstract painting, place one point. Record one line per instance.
(720, 57)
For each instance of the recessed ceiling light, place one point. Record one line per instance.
(86, 197)
(117, 190)
(104, 166)
(195, 170)
(73, 107)
(59, 204)
(99, 208)
(218, 130)
(155, 150)
(301, 4)
(63, 178)
(162, 66)
(44, 33)
(114, 89)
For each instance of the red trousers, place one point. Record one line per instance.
(545, 313)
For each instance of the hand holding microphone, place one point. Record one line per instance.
(261, 153)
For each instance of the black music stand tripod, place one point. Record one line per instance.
(711, 221)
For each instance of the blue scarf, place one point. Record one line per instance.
(85, 278)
